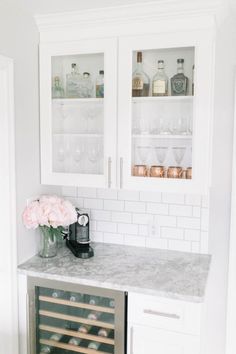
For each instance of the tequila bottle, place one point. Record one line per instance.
(179, 82)
(160, 81)
(72, 82)
(140, 81)
(57, 89)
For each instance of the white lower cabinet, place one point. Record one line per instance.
(144, 339)
(159, 325)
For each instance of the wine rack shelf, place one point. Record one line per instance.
(77, 349)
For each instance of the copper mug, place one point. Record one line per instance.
(189, 173)
(140, 170)
(157, 171)
(174, 172)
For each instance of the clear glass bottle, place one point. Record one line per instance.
(179, 82)
(57, 88)
(100, 85)
(72, 82)
(140, 81)
(85, 86)
(160, 81)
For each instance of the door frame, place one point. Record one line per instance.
(8, 268)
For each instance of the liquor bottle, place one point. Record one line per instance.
(94, 345)
(179, 82)
(72, 82)
(100, 85)
(160, 81)
(85, 89)
(193, 73)
(140, 81)
(75, 341)
(57, 89)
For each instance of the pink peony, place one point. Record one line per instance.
(51, 211)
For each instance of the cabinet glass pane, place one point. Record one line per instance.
(78, 113)
(69, 322)
(162, 113)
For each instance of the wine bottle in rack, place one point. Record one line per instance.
(57, 294)
(75, 341)
(94, 345)
(56, 337)
(94, 300)
(76, 297)
(84, 328)
(104, 332)
(46, 349)
(94, 315)
(111, 303)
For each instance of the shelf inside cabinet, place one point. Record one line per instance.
(68, 101)
(162, 98)
(162, 136)
(85, 135)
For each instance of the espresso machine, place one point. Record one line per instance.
(78, 240)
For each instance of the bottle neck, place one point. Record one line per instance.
(180, 68)
(139, 66)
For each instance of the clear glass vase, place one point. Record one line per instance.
(48, 242)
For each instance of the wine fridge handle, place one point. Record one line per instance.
(121, 172)
(161, 314)
(109, 171)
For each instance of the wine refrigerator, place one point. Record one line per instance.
(68, 318)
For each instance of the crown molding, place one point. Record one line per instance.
(151, 11)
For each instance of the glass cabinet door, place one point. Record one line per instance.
(77, 130)
(161, 125)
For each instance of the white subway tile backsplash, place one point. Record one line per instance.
(127, 228)
(193, 199)
(93, 203)
(157, 208)
(84, 192)
(173, 198)
(188, 223)
(101, 215)
(116, 205)
(135, 207)
(151, 219)
(192, 235)
(113, 238)
(150, 197)
(128, 195)
(106, 226)
(107, 193)
(180, 210)
(121, 217)
(172, 233)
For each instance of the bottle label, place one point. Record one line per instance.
(159, 86)
(137, 84)
(178, 86)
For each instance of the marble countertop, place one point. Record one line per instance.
(173, 274)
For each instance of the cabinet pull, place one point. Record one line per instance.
(161, 314)
(121, 172)
(109, 172)
(131, 340)
(28, 323)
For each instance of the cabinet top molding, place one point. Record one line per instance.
(217, 10)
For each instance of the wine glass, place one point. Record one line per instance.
(178, 152)
(143, 152)
(161, 152)
(94, 154)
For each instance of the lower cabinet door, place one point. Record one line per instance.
(150, 340)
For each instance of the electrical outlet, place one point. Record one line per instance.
(154, 228)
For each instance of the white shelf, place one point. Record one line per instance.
(85, 135)
(76, 100)
(162, 98)
(162, 136)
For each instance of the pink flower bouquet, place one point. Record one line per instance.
(51, 214)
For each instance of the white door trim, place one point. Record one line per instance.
(8, 252)
(231, 304)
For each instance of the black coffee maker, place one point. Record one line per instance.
(78, 240)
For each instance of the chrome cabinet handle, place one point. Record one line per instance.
(161, 314)
(132, 340)
(121, 172)
(109, 171)
(28, 324)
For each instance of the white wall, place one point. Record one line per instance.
(220, 192)
(19, 40)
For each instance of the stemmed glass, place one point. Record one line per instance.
(143, 152)
(178, 152)
(161, 152)
(78, 153)
(95, 154)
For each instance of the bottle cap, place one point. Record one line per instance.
(73, 65)
(86, 74)
(160, 61)
(180, 61)
(139, 57)
(101, 72)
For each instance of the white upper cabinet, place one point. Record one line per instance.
(78, 113)
(151, 130)
(164, 111)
